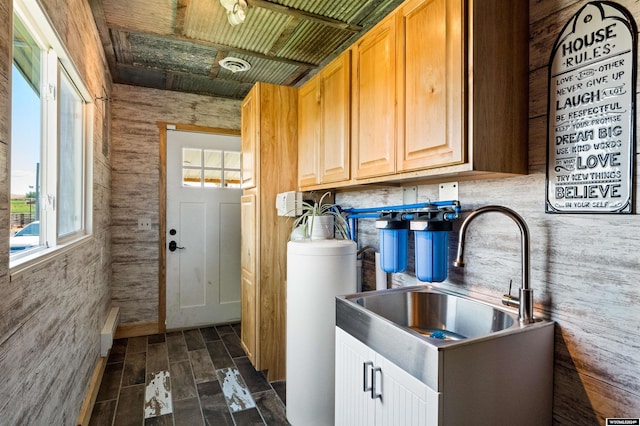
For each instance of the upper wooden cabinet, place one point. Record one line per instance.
(430, 84)
(309, 132)
(324, 125)
(440, 91)
(374, 115)
(336, 120)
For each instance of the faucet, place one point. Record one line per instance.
(524, 302)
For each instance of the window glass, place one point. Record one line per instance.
(27, 55)
(71, 164)
(26, 135)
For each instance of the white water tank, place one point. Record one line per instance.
(317, 271)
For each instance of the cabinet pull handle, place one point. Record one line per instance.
(375, 394)
(366, 387)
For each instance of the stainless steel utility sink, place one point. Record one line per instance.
(422, 329)
(484, 365)
(437, 315)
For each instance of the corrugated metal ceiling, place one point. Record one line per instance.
(176, 44)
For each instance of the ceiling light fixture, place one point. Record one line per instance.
(236, 11)
(234, 64)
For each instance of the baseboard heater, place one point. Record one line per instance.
(108, 331)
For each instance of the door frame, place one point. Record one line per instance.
(162, 204)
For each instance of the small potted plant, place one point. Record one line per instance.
(318, 221)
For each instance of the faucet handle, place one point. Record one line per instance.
(509, 300)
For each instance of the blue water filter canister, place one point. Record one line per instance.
(431, 249)
(393, 244)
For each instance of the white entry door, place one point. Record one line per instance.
(203, 229)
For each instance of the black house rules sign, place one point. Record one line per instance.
(591, 113)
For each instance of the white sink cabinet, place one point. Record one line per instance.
(502, 375)
(371, 390)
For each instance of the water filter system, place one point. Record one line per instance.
(430, 222)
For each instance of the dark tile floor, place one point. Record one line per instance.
(191, 377)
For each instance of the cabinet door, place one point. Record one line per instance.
(250, 128)
(309, 132)
(430, 82)
(335, 142)
(353, 405)
(405, 400)
(248, 284)
(374, 104)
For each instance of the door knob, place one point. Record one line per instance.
(173, 246)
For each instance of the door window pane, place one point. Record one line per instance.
(232, 178)
(232, 160)
(213, 178)
(191, 157)
(192, 177)
(212, 159)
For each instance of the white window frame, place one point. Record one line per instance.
(55, 61)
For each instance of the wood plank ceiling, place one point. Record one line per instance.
(177, 44)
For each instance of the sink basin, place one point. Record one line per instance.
(437, 315)
(426, 331)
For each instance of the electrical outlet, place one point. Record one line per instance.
(144, 224)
